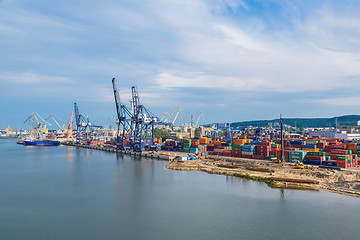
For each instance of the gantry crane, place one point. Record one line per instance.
(139, 122)
(202, 116)
(39, 125)
(143, 123)
(124, 121)
(52, 116)
(84, 128)
(69, 133)
(172, 119)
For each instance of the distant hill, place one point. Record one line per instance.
(347, 120)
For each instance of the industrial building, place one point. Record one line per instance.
(335, 134)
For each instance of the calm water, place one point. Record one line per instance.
(69, 193)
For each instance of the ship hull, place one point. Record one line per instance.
(42, 143)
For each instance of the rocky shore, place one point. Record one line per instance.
(275, 174)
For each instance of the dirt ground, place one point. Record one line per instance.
(275, 174)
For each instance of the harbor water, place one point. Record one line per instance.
(75, 193)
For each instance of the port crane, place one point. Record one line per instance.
(144, 122)
(84, 128)
(39, 125)
(69, 133)
(139, 122)
(124, 121)
(171, 118)
(53, 117)
(202, 117)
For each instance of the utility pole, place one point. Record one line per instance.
(282, 140)
(336, 123)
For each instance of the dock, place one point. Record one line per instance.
(160, 155)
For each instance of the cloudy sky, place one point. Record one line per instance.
(233, 60)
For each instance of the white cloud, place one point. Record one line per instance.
(342, 102)
(165, 46)
(200, 80)
(31, 78)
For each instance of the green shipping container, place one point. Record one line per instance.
(236, 145)
(315, 154)
(194, 150)
(342, 157)
(186, 149)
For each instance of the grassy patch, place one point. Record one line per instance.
(254, 178)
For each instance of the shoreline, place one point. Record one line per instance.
(346, 182)
(287, 176)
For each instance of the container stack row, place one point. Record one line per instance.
(324, 152)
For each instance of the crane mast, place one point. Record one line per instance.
(124, 120)
(84, 128)
(139, 122)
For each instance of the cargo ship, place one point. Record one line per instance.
(42, 142)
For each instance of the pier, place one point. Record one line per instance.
(159, 155)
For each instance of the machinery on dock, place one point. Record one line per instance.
(299, 165)
(124, 121)
(38, 138)
(137, 125)
(171, 118)
(84, 128)
(40, 125)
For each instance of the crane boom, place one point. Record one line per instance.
(119, 111)
(200, 115)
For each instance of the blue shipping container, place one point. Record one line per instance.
(312, 162)
(247, 148)
(309, 146)
(329, 163)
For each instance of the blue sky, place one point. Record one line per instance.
(233, 60)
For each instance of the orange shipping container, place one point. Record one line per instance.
(311, 149)
(239, 141)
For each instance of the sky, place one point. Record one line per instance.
(232, 60)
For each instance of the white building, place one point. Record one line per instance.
(335, 134)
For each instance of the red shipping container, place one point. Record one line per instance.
(338, 146)
(342, 165)
(262, 147)
(332, 156)
(237, 155)
(265, 144)
(339, 151)
(318, 158)
(327, 148)
(226, 153)
(355, 160)
(272, 152)
(261, 157)
(321, 145)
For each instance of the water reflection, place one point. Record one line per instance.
(114, 196)
(282, 194)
